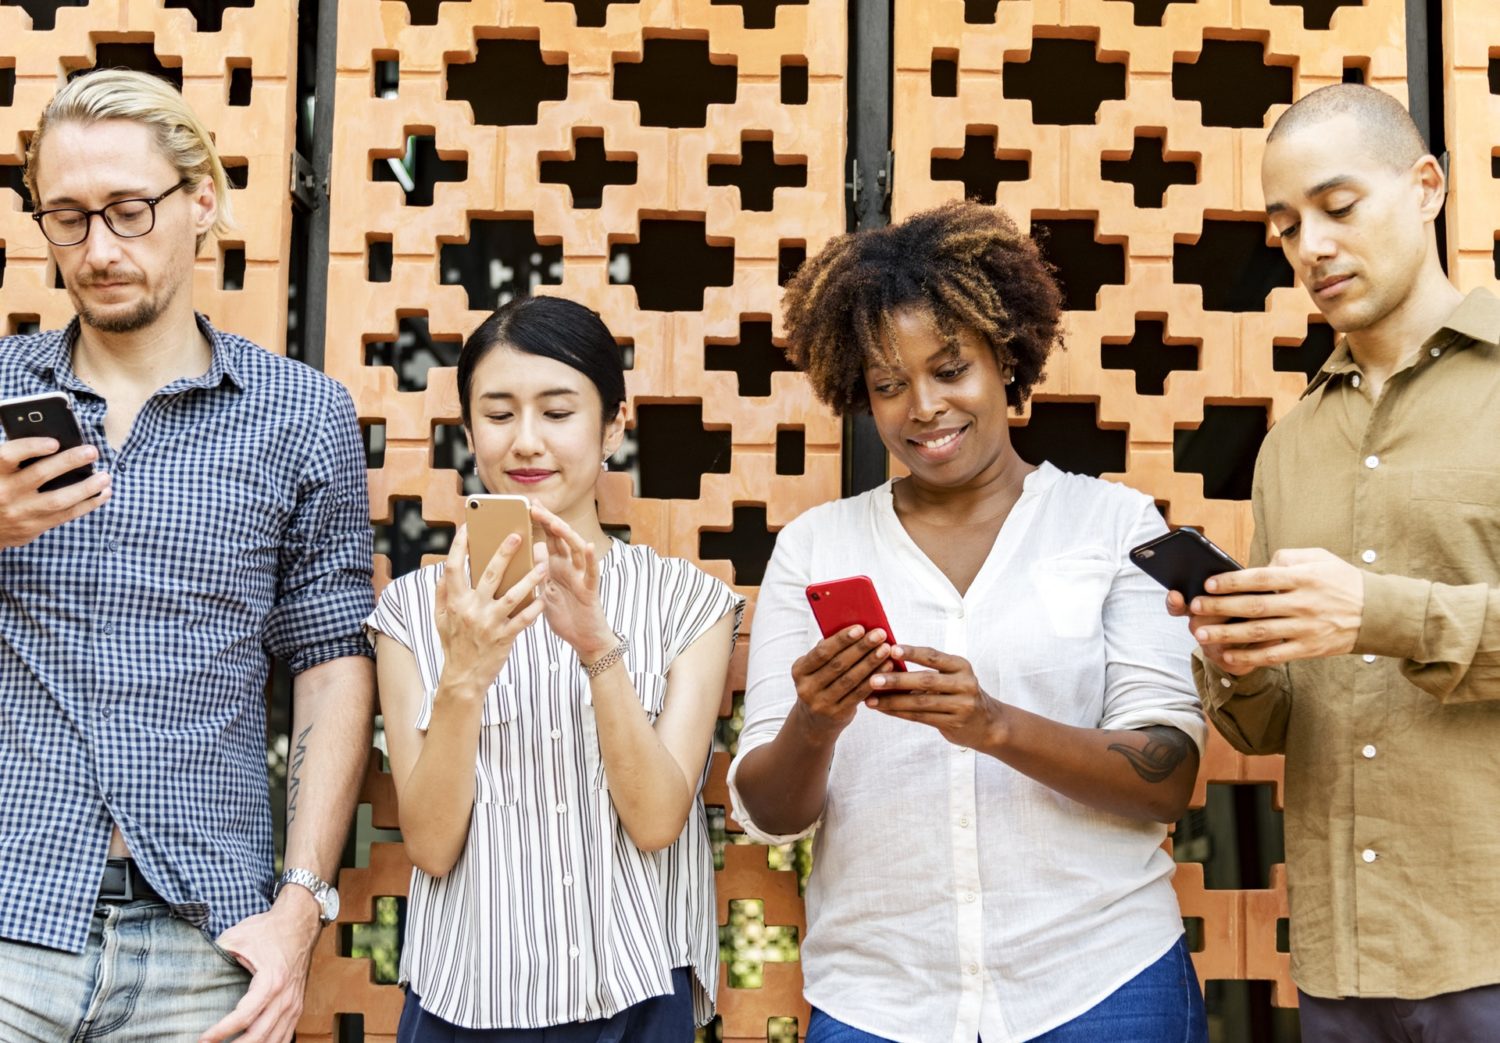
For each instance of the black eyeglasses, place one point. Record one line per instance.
(127, 218)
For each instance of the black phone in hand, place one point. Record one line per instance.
(1183, 560)
(45, 416)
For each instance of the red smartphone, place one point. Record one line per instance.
(843, 603)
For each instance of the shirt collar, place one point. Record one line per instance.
(222, 364)
(1475, 320)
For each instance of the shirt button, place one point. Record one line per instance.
(573, 951)
(1372, 462)
(963, 823)
(1368, 855)
(1367, 657)
(969, 896)
(1367, 557)
(556, 733)
(972, 968)
(108, 628)
(1435, 352)
(1369, 754)
(1226, 682)
(551, 666)
(1354, 380)
(114, 544)
(104, 713)
(567, 881)
(561, 808)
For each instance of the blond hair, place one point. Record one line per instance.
(124, 94)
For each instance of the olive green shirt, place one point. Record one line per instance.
(1393, 752)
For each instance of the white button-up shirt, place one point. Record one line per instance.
(952, 896)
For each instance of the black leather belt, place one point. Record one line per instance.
(123, 882)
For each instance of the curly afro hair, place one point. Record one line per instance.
(964, 262)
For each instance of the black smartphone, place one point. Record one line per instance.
(1182, 560)
(45, 416)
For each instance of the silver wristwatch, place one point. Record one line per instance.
(326, 894)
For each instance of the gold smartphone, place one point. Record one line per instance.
(490, 520)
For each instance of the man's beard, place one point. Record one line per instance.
(137, 317)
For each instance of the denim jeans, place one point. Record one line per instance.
(144, 975)
(1162, 1004)
(661, 1019)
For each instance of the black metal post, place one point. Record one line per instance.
(870, 76)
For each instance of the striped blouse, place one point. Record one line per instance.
(552, 914)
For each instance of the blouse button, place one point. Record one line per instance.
(1354, 380)
(551, 666)
(1368, 657)
(1435, 352)
(573, 951)
(557, 733)
(1372, 462)
(561, 808)
(567, 881)
(1368, 752)
(1368, 855)
(1367, 557)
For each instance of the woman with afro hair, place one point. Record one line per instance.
(990, 782)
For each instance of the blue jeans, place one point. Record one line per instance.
(661, 1019)
(1162, 1004)
(144, 976)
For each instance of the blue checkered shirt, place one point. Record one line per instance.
(135, 641)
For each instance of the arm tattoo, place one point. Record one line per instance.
(1165, 750)
(294, 776)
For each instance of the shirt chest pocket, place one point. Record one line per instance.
(501, 748)
(1072, 590)
(1454, 526)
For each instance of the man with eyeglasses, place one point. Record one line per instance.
(226, 523)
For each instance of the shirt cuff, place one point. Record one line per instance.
(1216, 687)
(1395, 616)
(327, 651)
(751, 829)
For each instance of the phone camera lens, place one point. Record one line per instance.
(815, 596)
(35, 418)
(1147, 554)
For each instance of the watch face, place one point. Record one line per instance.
(330, 905)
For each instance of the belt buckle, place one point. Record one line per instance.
(126, 893)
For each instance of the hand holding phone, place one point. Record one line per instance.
(843, 603)
(46, 469)
(490, 519)
(1183, 560)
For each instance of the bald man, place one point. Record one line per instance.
(1365, 641)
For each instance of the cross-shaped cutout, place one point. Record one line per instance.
(981, 166)
(675, 450)
(1223, 449)
(588, 170)
(1257, 85)
(752, 943)
(1068, 434)
(753, 358)
(747, 544)
(43, 12)
(1152, 354)
(7, 86)
(758, 174)
(1089, 81)
(420, 170)
(1149, 170)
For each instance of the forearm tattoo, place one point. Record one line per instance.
(294, 775)
(1165, 750)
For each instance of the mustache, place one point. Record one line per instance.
(109, 275)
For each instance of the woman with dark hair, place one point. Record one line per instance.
(988, 859)
(548, 764)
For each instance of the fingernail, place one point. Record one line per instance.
(877, 681)
(1196, 608)
(1211, 585)
(875, 637)
(1202, 635)
(897, 652)
(512, 540)
(854, 631)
